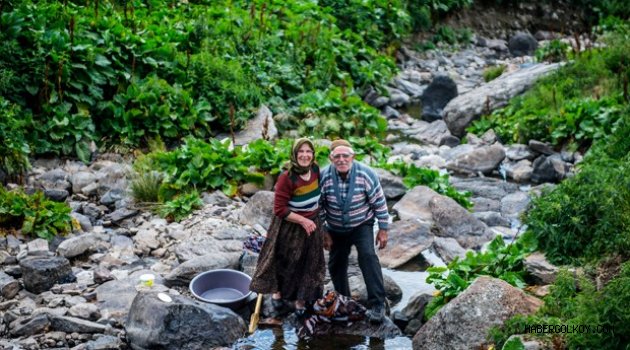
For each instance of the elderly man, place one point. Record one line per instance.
(351, 200)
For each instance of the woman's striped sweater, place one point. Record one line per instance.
(293, 194)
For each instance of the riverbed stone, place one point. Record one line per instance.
(77, 245)
(540, 269)
(182, 323)
(414, 205)
(436, 96)
(392, 185)
(258, 210)
(464, 322)
(452, 220)
(262, 126)
(407, 239)
(40, 274)
(483, 160)
(9, 286)
(463, 109)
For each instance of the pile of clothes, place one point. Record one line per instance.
(333, 308)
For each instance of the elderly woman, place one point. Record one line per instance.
(291, 263)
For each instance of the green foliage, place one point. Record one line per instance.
(579, 103)
(414, 176)
(586, 120)
(588, 216)
(609, 309)
(128, 72)
(553, 51)
(335, 114)
(35, 215)
(145, 186)
(450, 36)
(180, 206)
(514, 344)
(575, 301)
(499, 260)
(420, 18)
(219, 165)
(378, 21)
(225, 89)
(152, 107)
(14, 149)
(493, 72)
(441, 7)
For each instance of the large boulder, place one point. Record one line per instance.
(453, 221)
(479, 160)
(154, 322)
(522, 44)
(464, 322)
(441, 90)
(414, 205)
(467, 107)
(407, 239)
(392, 185)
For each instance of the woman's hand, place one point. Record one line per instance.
(308, 226)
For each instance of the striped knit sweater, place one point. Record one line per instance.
(366, 196)
(293, 194)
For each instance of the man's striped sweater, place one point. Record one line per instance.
(343, 212)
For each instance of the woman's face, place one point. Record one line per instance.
(304, 155)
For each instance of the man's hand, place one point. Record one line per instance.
(327, 240)
(381, 239)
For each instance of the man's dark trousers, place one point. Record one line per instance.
(362, 238)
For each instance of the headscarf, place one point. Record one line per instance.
(294, 167)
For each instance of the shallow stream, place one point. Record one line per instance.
(410, 279)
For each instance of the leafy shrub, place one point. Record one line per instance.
(14, 149)
(493, 72)
(553, 51)
(152, 107)
(528, 116)
(65, 133)
(226, 88)
(575, 302)
(588, 216)
(334, 114)
(499, 260)
(35, 215)
(608, 309)
(180, 206)
(218, 165)
(379, 21)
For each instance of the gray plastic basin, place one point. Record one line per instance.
(224, 287)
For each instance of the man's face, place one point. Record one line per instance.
(342, 158)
